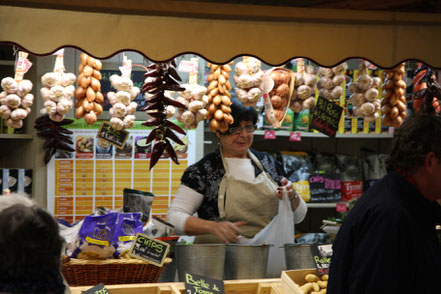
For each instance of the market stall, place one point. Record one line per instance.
(223, 35)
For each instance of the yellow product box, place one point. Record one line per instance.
(302, 188)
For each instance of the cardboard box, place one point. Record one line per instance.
(293, 279)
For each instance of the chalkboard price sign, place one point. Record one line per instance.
(114, 137)
(326, 117)
(322, 257)
(325, 187)
(98, 289)
(149, 249)
(196, 284)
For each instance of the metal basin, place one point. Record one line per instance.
(298, 256)
(246, 261)
(202, 259)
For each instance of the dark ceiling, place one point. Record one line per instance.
(426, 6)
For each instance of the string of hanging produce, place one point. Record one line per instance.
(160, 78)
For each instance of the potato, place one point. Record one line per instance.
(310, 278)
(306, 288)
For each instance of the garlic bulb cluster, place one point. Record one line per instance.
(248, 77)
(123, 106)
(195, 100)
(219, 99)
(303, 96)
(365, 94)
(331, 82)
(57, 93)
(88, 94)
(394, 99)
(15, 100)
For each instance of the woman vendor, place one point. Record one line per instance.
(235, 190)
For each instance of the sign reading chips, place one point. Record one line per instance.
(149, 249)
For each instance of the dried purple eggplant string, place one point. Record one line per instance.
(162, 77)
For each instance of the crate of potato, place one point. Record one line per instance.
(305, 281)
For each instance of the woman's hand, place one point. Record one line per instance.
(227, 231)
(292, 194)
(285, 184)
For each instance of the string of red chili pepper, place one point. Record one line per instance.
(162, 77)
(56, 136)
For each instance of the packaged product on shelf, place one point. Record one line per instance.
(25, 181)
(301, 121)
(2, 185)
(374, 167)
(287, 123)
(325, 162)
(298, 167)
(13, 180)
(351, 177)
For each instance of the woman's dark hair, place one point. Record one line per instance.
(30, 251)
(242, 113)
(417, 136)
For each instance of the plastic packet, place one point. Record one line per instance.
(128, 225)
(95, 237)
(326, 163)
(374, 167)
(298, 168)
(138, 201)
(351, 177)
(157, 228)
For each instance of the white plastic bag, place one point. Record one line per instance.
(277, 233)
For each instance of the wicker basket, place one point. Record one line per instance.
(81, 272)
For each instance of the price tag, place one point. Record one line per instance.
(269, 135)
(195, 284)
(149, 249)
(114, 137)
(98, 289)
(22, 67)
(59, 52)
(326, 117)
(322, 257)
(126, 68)
(187, 66)
(342, 207)
(295, 137)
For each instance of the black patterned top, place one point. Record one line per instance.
(205, 176)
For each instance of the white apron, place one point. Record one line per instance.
(241, 200)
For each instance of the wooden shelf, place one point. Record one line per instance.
(16, 136)
(7, 62)
(320, 135)
(321, 205)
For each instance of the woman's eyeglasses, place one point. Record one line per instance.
(238, 130)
